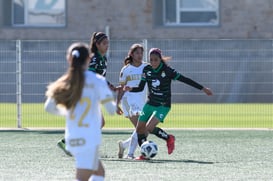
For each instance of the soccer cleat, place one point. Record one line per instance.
(120, 149)
(130, 157)
(170, 144)
(61, 144)
(141, 157)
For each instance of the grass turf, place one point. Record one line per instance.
(180, 116)
(199, 155)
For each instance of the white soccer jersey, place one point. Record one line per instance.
(132, 102)
(83, 124)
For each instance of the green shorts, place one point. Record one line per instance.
(160, 112)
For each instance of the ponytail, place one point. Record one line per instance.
(67, 90)
(96, 37)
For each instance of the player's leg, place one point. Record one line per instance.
(133, 138)
(99, 174)
(141, 127)
(159, 116)
(126, 107)
(141, 130)
(88, 164)
(61, 145)
(83, 174)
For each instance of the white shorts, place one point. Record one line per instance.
(88, 159)
(131, 107)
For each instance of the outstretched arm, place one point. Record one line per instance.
(207, 91)
(194, 84)
(140, 87)
(110, 105)
(119, 96)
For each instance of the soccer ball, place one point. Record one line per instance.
(148, 149)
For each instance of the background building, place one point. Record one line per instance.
(183, 19)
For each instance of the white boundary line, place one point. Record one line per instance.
(130, 129)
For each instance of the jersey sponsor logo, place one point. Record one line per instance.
(77, 142)
(149, 73)
(155, 83)
(133, 77)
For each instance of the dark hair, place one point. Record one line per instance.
(133, 48)
(96, 37)
(158, 52)
(67, 90)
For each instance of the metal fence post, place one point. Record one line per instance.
(145, 46)
(19, 83)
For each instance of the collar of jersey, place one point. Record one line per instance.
(158, 68)
(102, 57)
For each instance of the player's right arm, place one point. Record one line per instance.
(140, 87)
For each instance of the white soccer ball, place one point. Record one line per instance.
(149, 149)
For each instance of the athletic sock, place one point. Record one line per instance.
(141, 138)
(96, 178)
(126, 143)
(133, 144)
(160, 133)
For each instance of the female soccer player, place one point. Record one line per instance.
(158, 76)
(77, 96)
(132, 102)
(99, 44)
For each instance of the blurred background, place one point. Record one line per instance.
(224, 45)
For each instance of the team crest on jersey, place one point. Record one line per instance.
(149, 73)
(163, 74)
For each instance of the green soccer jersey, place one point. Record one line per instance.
(159, 84)
(98, 64)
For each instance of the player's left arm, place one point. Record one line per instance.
(51, 107)
(177, 76)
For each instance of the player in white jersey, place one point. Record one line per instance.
(132, 103)
(77, 95)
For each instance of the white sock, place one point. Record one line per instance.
(96, 178)
(133, 144)
(125, 143)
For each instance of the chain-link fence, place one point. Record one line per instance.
(238, 71)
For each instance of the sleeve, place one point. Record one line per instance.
(51, 107)
(190, 82)
(106, 97)
(140, 87)
(122, 76)
(172, 73)
(93, 64)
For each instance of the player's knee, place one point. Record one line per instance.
(141, 129)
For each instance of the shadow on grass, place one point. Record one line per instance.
(156, 161)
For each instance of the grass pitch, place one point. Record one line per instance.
(199, 155)
(180, 116)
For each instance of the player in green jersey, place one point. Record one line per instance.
(158, 76)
